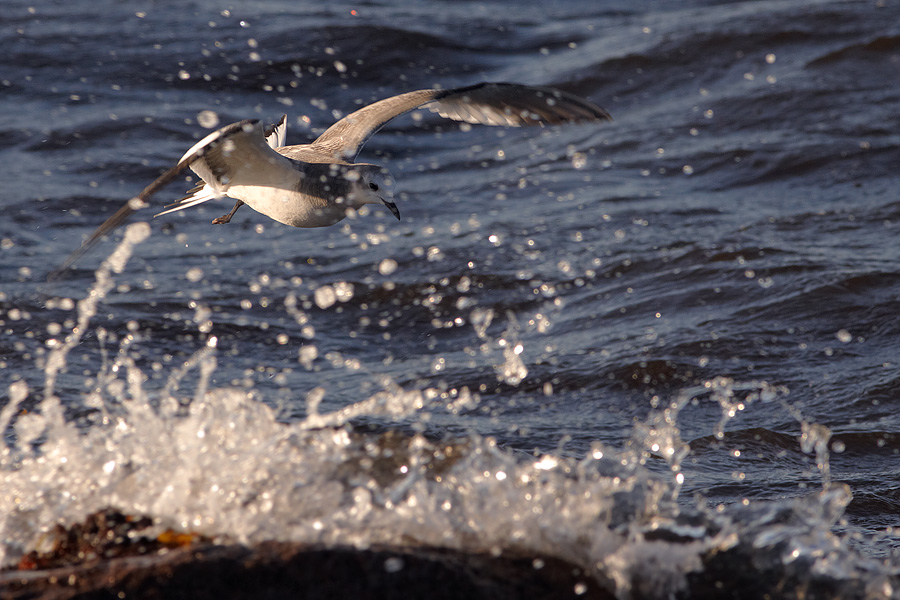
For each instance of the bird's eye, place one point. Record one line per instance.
(373, 187)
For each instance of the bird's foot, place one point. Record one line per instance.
(227, 218)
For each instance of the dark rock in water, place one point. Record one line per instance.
(112, 555)
(101, 559)
(286, 570)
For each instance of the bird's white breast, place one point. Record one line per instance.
(290, 207)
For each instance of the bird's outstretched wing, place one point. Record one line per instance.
(216, 156)
(506, 104)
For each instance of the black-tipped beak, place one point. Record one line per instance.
(393, 208)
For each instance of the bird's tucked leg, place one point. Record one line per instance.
(227, 218)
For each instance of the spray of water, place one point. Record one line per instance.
(220, 463)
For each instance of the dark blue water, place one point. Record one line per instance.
(728, 243)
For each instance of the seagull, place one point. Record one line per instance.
(318, 184)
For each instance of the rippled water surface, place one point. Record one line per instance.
(706, 289)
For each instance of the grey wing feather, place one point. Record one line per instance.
(343, 140)
(505, 104)
(515, 106)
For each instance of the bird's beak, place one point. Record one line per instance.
(393, 208)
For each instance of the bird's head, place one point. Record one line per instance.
(373, 185)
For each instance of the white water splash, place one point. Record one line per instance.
(222, 464)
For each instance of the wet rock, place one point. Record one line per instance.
(284, 570)
(104, 558)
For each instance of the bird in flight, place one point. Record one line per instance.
(314, 185)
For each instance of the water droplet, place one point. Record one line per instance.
(325, 296)
(343, 291)
(393, 564)
(387, 266)
(579, 160)
(307, 355)
(208, 118)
